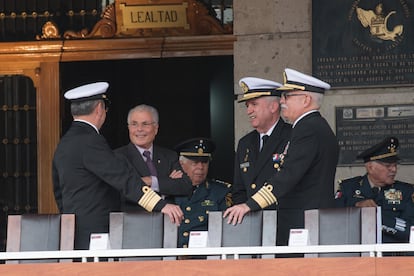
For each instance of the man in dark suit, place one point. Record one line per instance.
(306, 177)
(256, 160)
(161, 170)
(208, 195)
(378, 187)
(88, 177)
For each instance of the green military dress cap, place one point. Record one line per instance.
(385, 151)
(294, 80)
(87, 92)
(197, 149)
(255, 87)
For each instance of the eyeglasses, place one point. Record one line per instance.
(143, 124)
(389, 166)
(287, 95)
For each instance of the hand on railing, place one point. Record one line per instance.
(174, 212)
(236, 213)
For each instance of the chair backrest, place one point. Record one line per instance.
(257, 229)
(134, 230)
(40, 232)
(349, 225)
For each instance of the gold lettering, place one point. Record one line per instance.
(153, 16)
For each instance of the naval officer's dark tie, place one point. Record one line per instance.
(264, 140)
(150, 164)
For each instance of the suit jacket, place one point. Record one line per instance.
(87, 180)
(165, 161)
(208, 196)
(253, 167)
(396, 201)
(306, 178)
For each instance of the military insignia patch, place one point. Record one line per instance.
(229, 200)
(338, 194)
(244, 87)
(357, 194)
(207, 202)
(244, 166)
(393, 196)
(277, 159)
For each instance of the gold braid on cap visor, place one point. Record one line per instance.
(149, 199)
(291, 85)
(373, 158)
(194, 154)
(264, 197)
(252, 95)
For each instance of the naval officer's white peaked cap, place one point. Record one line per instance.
(256, 87)
(92, 91)
(294, 80)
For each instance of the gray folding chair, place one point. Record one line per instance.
(349, 225)
(37, 232)
(257, 229)
(134, 230)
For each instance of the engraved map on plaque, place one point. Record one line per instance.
(360, 127)
(363, 42)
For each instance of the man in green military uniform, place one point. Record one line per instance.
(378, 187)
(208, 195)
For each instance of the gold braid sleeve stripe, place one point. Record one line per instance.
(149, 199)
(264, 197)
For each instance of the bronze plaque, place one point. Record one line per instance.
(360, 127)
(363, 42)
(154, 16)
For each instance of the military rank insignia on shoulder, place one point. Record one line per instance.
(227, 184)
(356, 179)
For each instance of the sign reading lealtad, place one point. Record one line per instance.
(154, 16)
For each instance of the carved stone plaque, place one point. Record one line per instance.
(360, 127)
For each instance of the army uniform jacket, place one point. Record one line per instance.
(88, 179)
(396, 201)
(208, 196)
(165, 161)
(252, 166)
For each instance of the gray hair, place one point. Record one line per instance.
(183, 158)
(83, 108)
(317, 99)
(145, 108)
(272, 99)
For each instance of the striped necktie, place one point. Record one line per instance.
(150, 164)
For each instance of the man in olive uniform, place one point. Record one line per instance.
(378, 187)
(208, 194)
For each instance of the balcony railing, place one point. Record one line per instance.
(374, 250)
